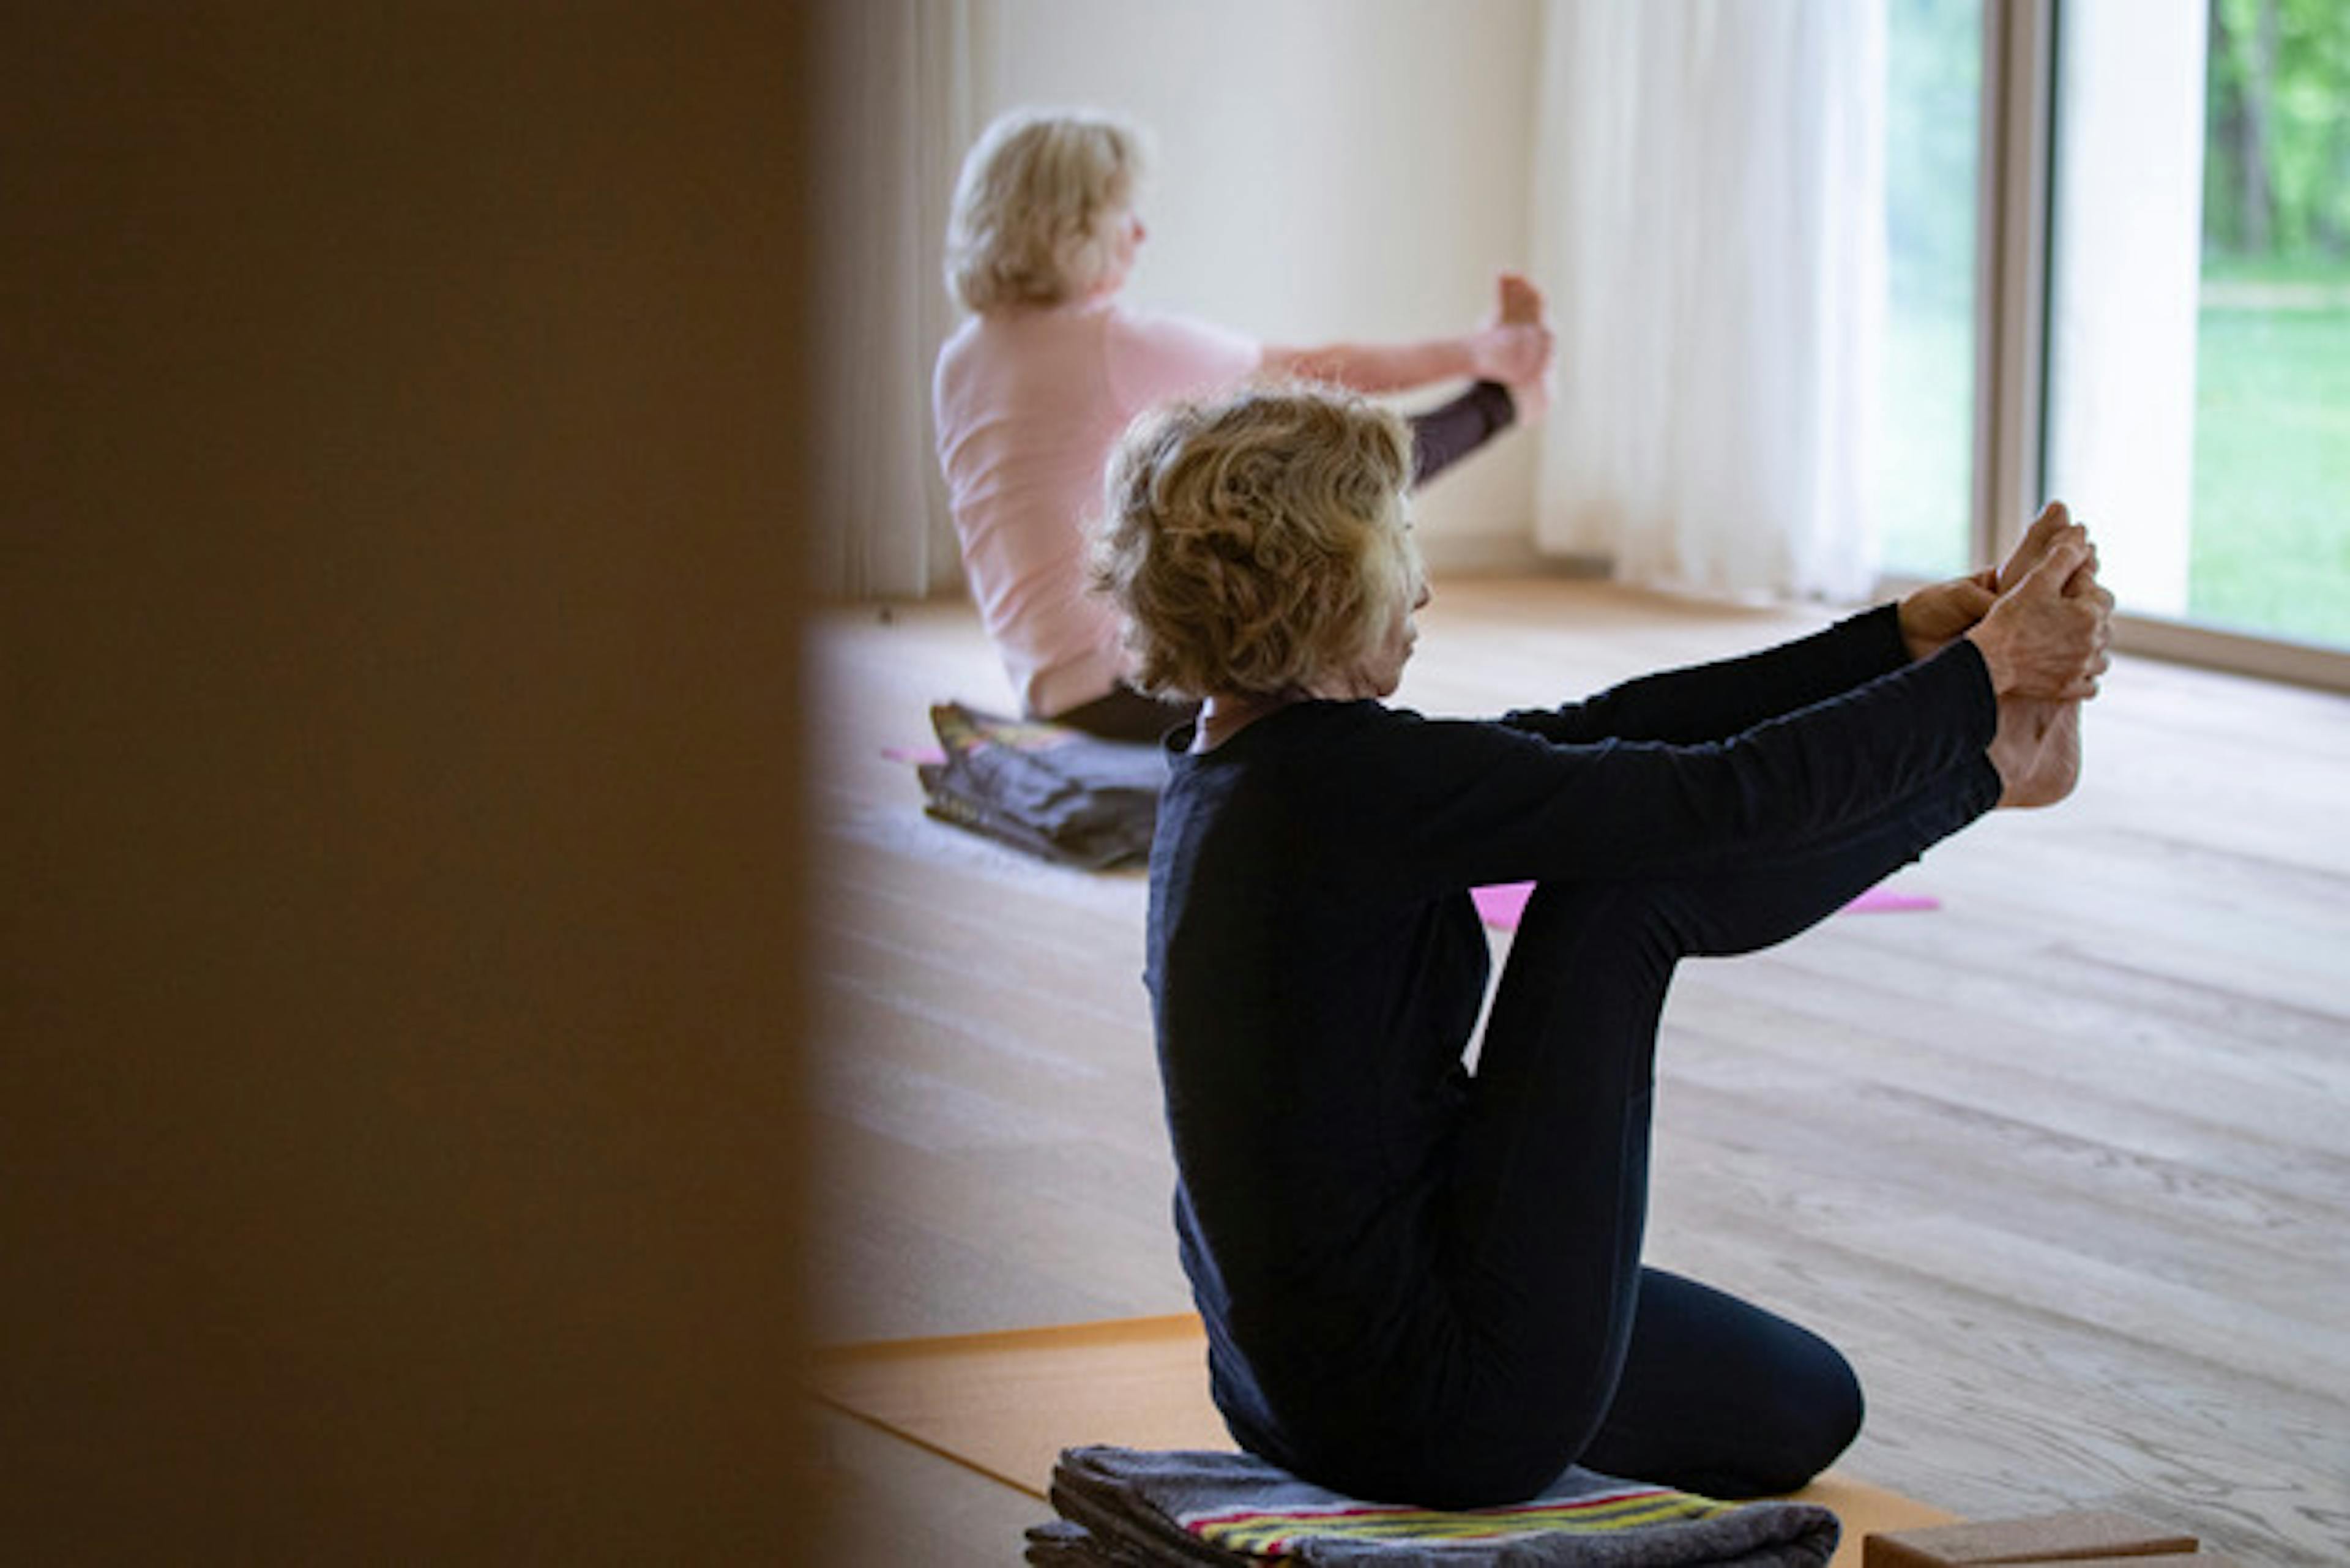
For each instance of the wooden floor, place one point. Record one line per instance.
(2063, 1166)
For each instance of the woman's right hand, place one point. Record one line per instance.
(2046, 529)
(2045, 636)
(1513, 354)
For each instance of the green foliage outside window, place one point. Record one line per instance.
(2270, 541)
(2276, 177)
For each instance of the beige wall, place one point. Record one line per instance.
(1326, 169)
(396, 1144)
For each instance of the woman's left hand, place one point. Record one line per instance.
(1934, 617)
(1511, 354)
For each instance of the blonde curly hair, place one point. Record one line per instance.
(1035, 207)
(1256, 543)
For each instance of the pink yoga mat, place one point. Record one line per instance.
(1502, 905)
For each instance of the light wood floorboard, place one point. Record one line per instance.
(2064, 1165)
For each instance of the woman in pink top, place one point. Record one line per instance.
(1033, 391)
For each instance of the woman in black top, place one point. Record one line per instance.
(1424, 1283)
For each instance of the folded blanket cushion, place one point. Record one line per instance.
(1044, 789)
(1133, 1506)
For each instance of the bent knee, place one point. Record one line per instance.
(1814, 1422)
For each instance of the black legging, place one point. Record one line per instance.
(1440, 438)
(1544, 1340)
(1444, 435)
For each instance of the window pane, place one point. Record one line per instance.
(2271, 537)
(1926, 451)
(2199, 393)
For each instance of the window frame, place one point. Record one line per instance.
(2014, 241)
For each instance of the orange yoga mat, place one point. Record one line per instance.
(1006, 1404)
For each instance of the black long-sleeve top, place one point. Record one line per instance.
(1315, 963)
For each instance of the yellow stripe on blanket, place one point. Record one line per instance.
(1275, 1533)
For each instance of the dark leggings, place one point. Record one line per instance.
(1440, 438)
(1545, 1341)
(1444, 435)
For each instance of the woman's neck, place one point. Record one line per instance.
(1223, 715)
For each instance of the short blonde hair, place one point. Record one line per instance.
(1256, 543)
(1032, 223)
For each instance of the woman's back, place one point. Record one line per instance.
(1029, 402)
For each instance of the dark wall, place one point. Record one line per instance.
(398, 1141)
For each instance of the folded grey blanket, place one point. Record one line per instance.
(1130, 1509)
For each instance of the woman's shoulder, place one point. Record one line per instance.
(1153, 355)
(1150, 327)
(1020, 346)
(1339, 738)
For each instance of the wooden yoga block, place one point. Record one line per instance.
(1005, 1403)
(2081, 1538)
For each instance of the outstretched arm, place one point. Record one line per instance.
(1501, 807)
(1714, 702)
(1509, 354)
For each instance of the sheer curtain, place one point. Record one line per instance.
(1708, 214)
(906, 83)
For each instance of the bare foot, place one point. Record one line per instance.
(2037, 751)
(1521, 305)
(1521, 302)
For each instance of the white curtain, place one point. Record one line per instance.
(905, 83)
(1708, 214)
